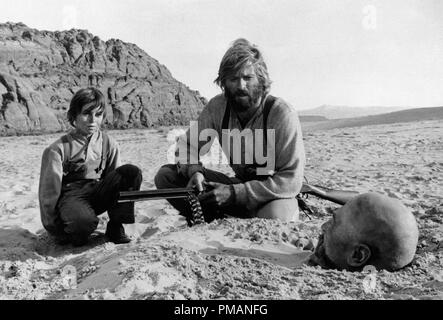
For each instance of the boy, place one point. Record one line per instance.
(81, 177)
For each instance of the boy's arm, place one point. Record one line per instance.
(51, 175)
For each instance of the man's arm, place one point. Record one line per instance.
(289, 164)
(189, 147)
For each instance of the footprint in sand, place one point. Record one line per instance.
(392, 194)
(20, 189)
(412, 194)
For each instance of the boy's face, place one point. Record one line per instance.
(89, 120)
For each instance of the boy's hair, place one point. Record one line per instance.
(83, 97)
(240, 54)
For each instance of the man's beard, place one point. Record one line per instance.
(319, 257)
(235, 101)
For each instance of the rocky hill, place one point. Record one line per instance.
(41, 70)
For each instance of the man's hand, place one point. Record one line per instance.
(220, 195)
(196, 180)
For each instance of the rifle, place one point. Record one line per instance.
(191, 195)
(336, 196)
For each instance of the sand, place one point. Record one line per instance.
(230, 258)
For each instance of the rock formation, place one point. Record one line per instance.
(41, 70)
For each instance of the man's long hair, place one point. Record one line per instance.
(240, 54)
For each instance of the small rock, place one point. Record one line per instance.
(40, 265)
(419, 212)
(302, 243)
(237, 235)
(122, 262)
(293, 241)
(69, 277)
(109, 246)
(256, 237)
(108, 295)
(311, 245)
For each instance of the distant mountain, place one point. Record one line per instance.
(410, 115)
(41, 70)
(343, 112)
(312, 118)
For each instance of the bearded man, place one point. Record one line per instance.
(264, 190)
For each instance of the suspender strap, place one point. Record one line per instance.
(267, 108)
(225, 122)
(105, 149)
(66, 150)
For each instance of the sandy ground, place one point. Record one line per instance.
(230, 258)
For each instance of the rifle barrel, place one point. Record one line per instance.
(337, 196)
(174, 193)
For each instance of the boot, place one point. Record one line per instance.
(116, 233)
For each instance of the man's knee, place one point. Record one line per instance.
(166, 177)
(281, 209)
(130, 171)
(131, 177)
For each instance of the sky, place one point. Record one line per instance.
(334, 52)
